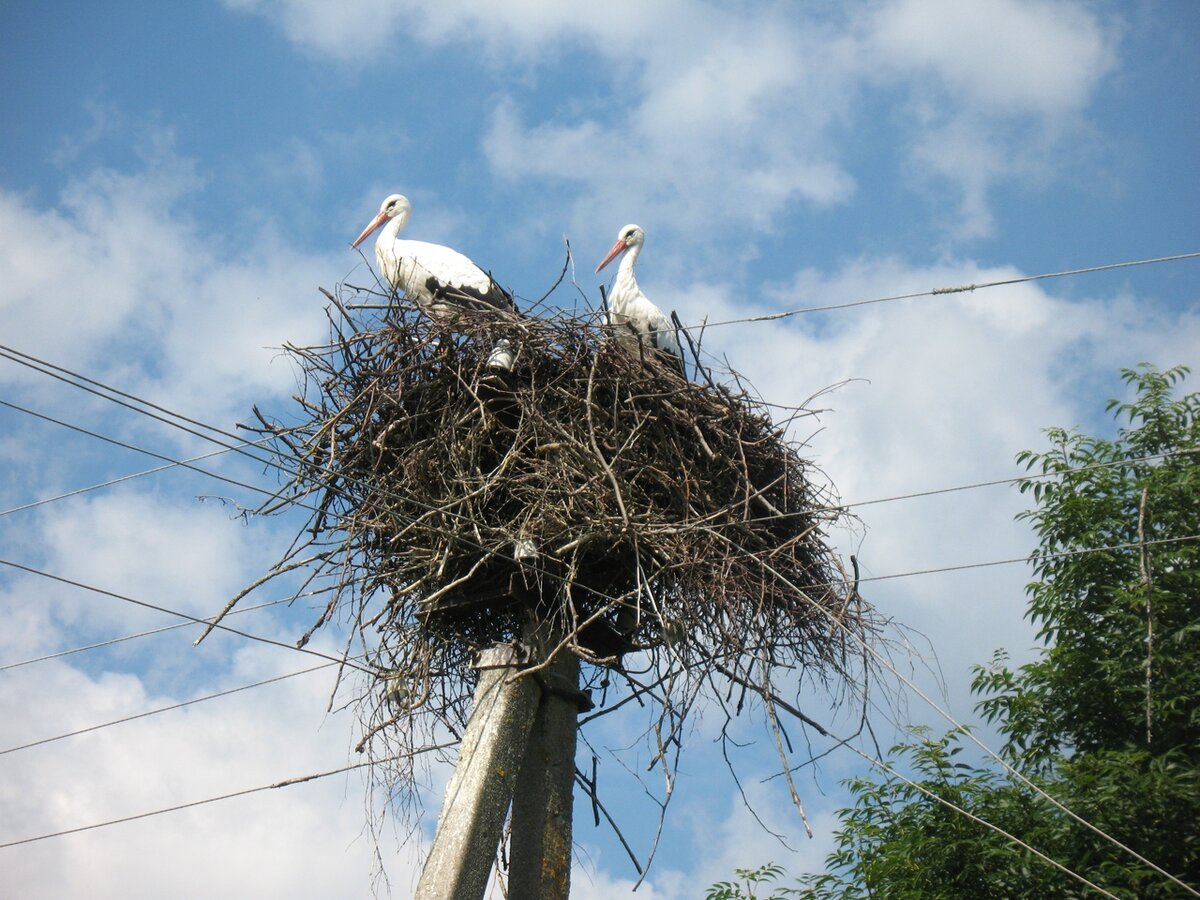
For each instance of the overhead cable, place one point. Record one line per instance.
(934, 292)
(182, 615)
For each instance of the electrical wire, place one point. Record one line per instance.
(866, 647)
(259, 459)
(48, 368)
(892, 576)
(113, 481)
(1037, 476)
(1080, 551)
(183, 615)
(130, 637)
(451, 512)
(45, 367)
(172, 462)
(918, 494)
(1015, 479)
(163, 709)
(303, 779)
(34, 362)
(860, 503)
(933, 292)
(346, 661)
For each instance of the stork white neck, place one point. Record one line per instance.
(397, 210)
(397, 221)
(625, 284)
(628, 245)
(394, 210)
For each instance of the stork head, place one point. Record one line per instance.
(629, 236)
(396, 206)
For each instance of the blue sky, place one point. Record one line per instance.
(177, 179)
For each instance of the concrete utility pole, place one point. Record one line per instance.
(539, 866)
(493, 746)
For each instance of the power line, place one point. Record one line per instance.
(182, 615)
(34, 362)
(52, 370)
(127, 446)
(1036, 476)
(163, 709)
(271, 463)
(130, 637)
(450, 512)
(1022, 559)
(304, 779)
(1015, 479)
(185, 463)
(112, 481)
(190, 620)
(599, 594)
(44, 367)
(946, 290)
(453, 513)
(769, 568)
(913, 495)
(768, 317)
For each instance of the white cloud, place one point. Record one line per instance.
(591, 882)
(992, 93)
(181, 557)
(744, 115)
(352, 31)
(361, 31)
(728, 109)
(725, 125)
(720, 118)
(1005, 56)
(177, 553)
(117, 280)
(723, 835)
(79, 272)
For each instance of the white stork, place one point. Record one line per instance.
(436, 278)
(631, 310)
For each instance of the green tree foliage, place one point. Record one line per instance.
(750, 884)
(1106, 719)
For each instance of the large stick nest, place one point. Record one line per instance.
(587, 479)
(592, 488)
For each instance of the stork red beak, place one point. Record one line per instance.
(617, 249)
(375, 223)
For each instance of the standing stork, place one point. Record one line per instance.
(433, 276)
(436, 278)
(632, 311)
